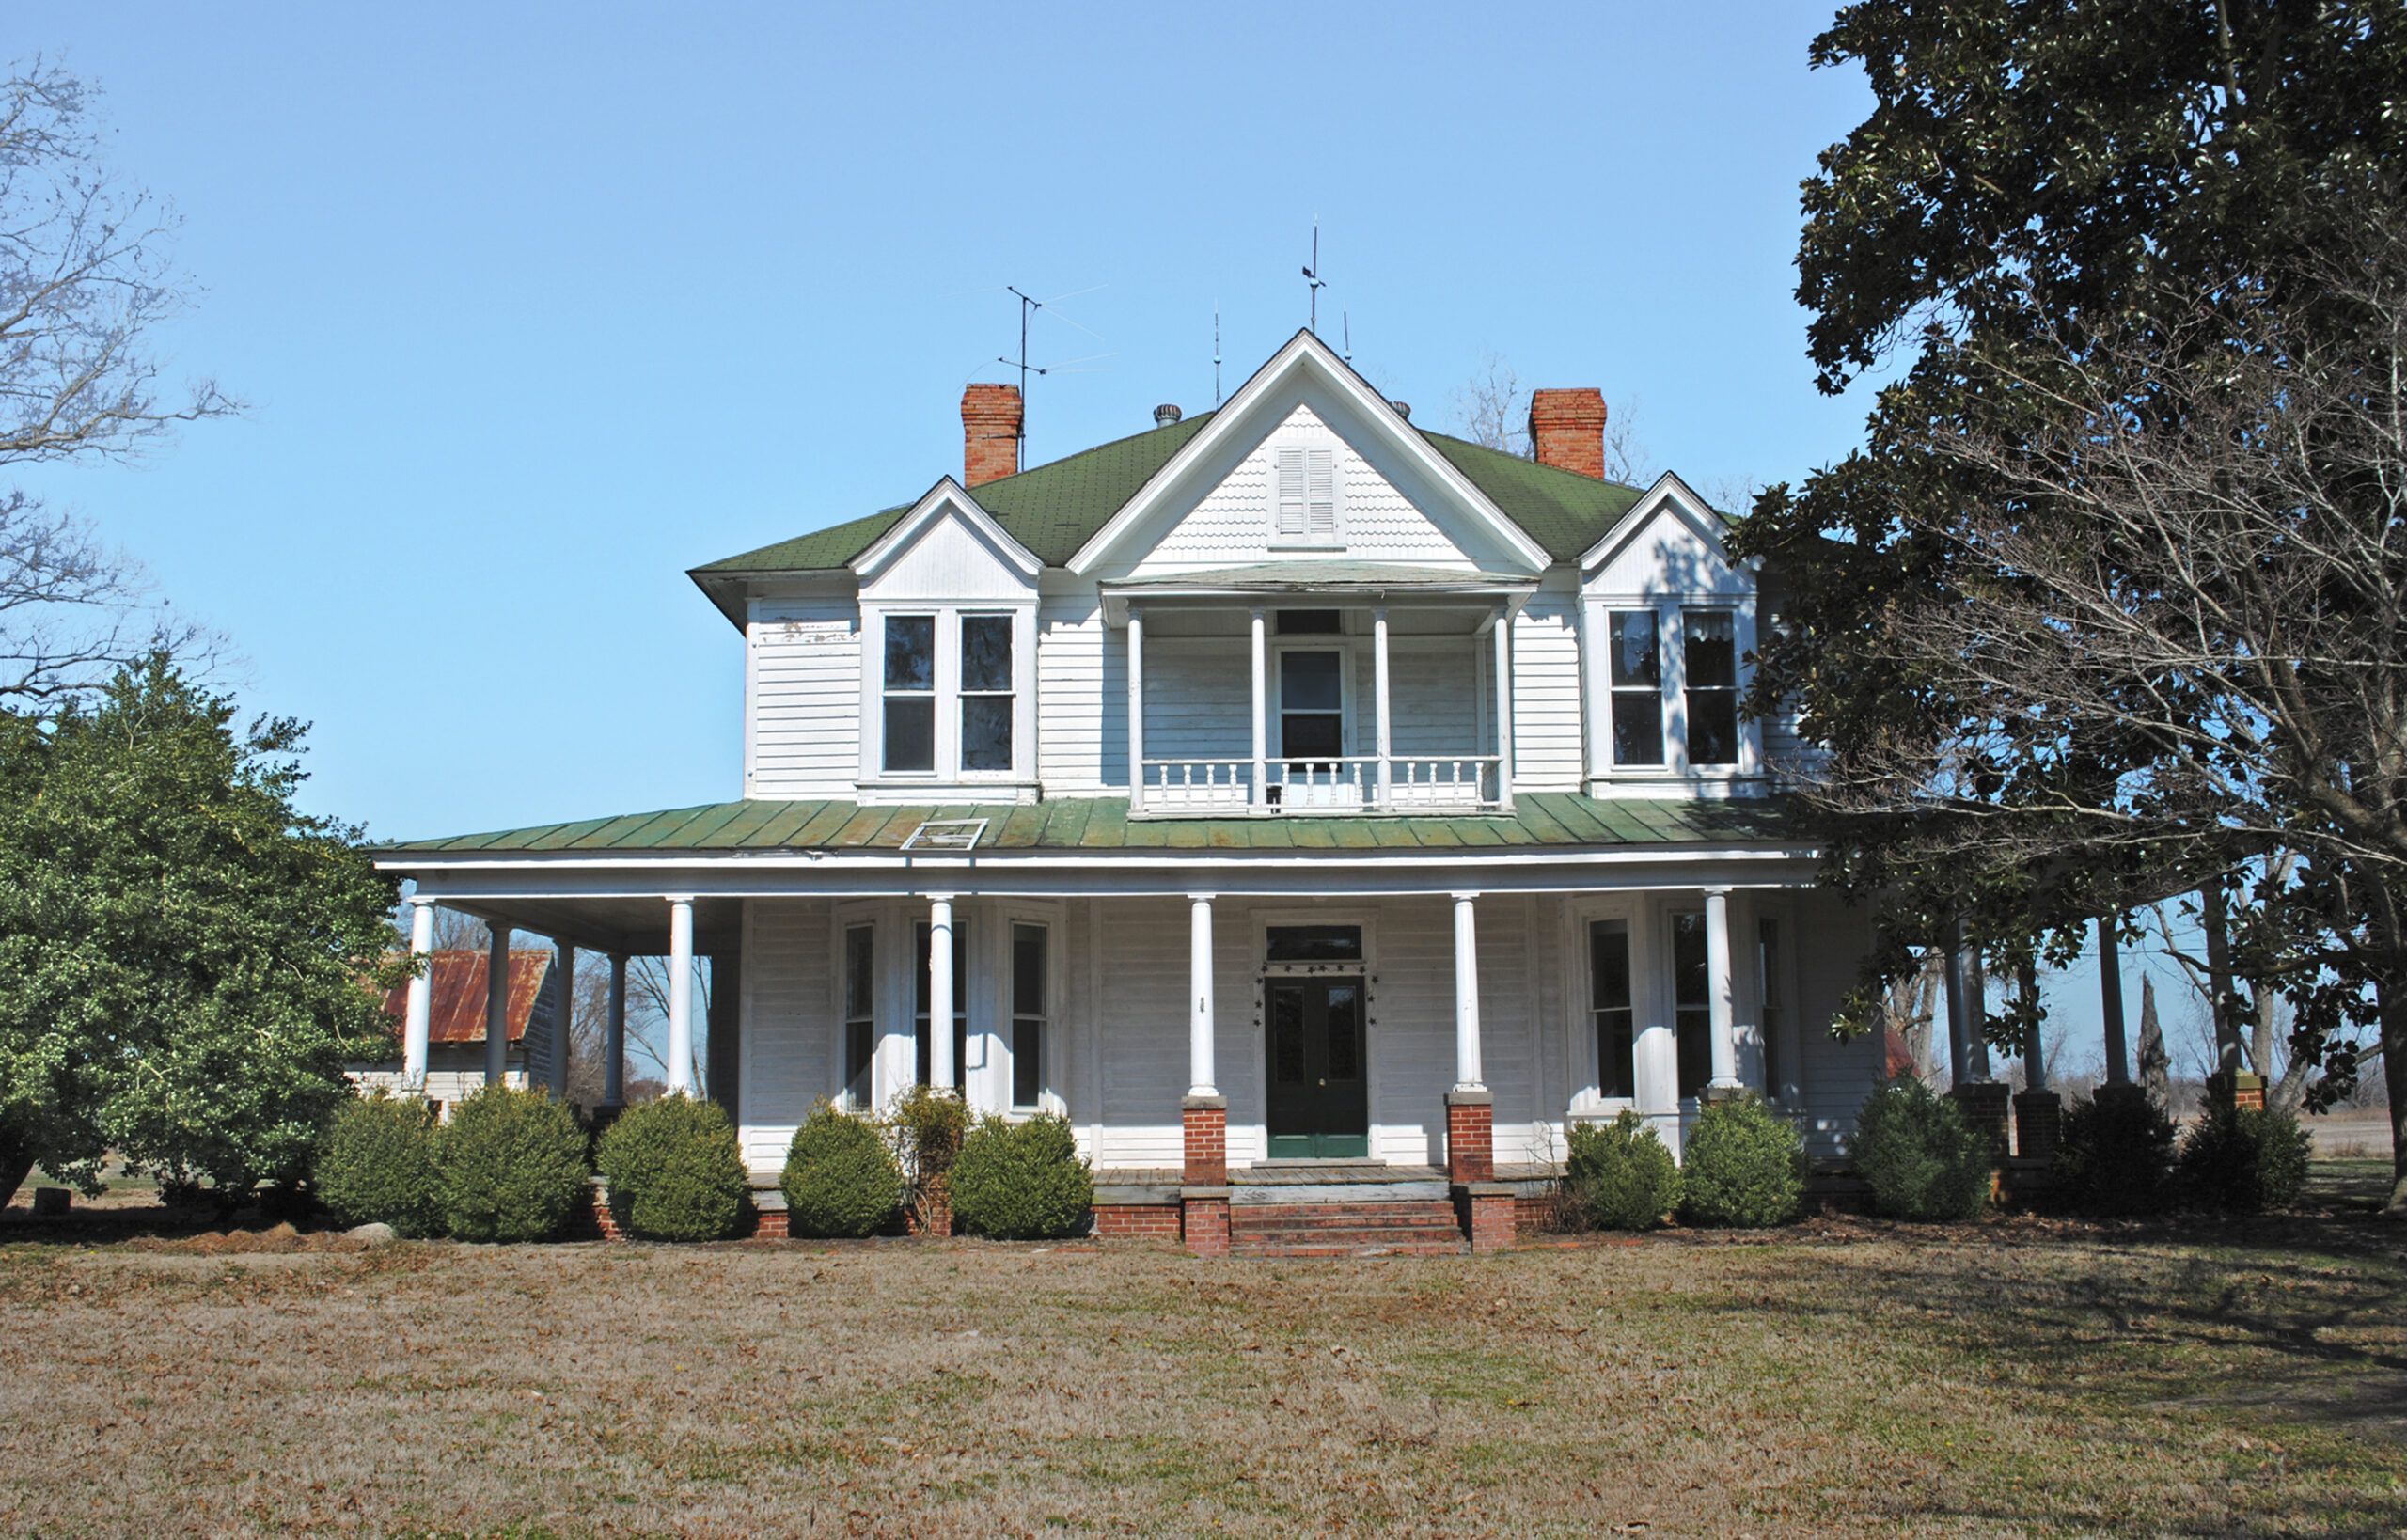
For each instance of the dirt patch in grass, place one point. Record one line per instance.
(2018, 1376)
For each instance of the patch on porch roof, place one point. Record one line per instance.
(1102, 823)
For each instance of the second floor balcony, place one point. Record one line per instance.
(1300, 689)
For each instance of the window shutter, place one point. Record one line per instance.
(1320, 494)
(1289, 494)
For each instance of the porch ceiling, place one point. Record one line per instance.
(637, 926)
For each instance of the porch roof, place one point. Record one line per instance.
(1556, 819)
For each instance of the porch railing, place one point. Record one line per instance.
(1358, 783)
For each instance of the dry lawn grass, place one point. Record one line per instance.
(2014, 1377)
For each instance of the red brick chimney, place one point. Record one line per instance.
(1567, 430)
(990, 423)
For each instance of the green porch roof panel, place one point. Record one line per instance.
(1560, 818)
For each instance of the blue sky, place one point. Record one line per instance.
(534, 307)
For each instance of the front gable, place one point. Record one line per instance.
(1669, 543)
(1306, 461)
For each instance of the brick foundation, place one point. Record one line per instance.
(1988, 1105)
(2038, 1124)
(770, 1224)
(1203, 1221)
(1471, 1137)
(1204, 1120)
(1489, 1213)
(1138, 1222)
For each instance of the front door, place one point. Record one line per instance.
(1319, 1106)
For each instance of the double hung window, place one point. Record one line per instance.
(1644, 678)
(860, 1011)
(1030, 1011)
(1636, 667)
(1312, 705)
(986, 692)
(910, 693)
(1710, 652)
(1611, 1003)
(1691, 1007)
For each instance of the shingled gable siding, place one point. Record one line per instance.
(805, 692)
(1230, 526)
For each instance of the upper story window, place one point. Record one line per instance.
(1683, 659)
(1303, 495)
(987, 697)
(910, 693)
(1709, 650)
(1312, 705)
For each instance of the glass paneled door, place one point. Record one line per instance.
(1319, 1105)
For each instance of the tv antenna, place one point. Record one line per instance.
(1345, 318)
(1215, 357)
(1029, 305)
(1313, 282)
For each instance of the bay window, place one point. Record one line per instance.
(1692, 1002)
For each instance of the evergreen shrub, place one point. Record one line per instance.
(841, 1179)
(375, 1165)
(513, 1166)
(2244, 1161)
(2117, 1156)
(1621, 1175)
(1021, 1181)
(674, 1169)
(1745, 1166)
(1919, 1155)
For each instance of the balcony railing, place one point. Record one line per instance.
(1363, 783)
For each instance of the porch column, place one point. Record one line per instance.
(497, 1002)
(563, 1025)
(1204, 1115)
(1466, 1070)
(2110, 1002)
(1962, 1011)
(681, 995)
(420, 1013)
(614, 1036)
(2038, 1113)
(1721, 998)
(1261, 793)
(940, 1067)
(1504, 706)
(1136, 709)
(1202, 1080)
(1986, 1103)
(1379, 688)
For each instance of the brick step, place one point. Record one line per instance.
(1310, 1250)
(1409, 1212)
(1348, 1223)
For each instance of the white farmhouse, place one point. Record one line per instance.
(1304, 804)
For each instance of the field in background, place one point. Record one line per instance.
(2018, 1374)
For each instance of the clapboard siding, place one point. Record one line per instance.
(1832, 940)
(788, 1033)
(806, 693)
(1083, 696)
(1546, 743)
(1141, 1012)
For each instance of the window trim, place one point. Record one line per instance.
(947, 773)
(1596, 609)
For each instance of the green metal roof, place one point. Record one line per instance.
(1102, 823)
(1055, 509)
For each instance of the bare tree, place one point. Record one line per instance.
(1493, 410)
(83, 281)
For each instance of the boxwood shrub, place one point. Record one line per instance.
(1920, 1157)
(1621, 1175)
(513, 1166)
(674, 1169)
(1745, 1166)
(1021, 1181)
(2243, 1162)
(2117, 1156)
(376, 1166)
(840, 1179)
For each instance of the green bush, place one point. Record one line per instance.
(513, 1166)
(674, 1169)
(1621, 1175)
(1021, 1181)
(376, 1166)
(2117, 1156)
(926, 1127)
(1745, 1166)
(1919, 1156)
(840, 1179)
(2243, 1162)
